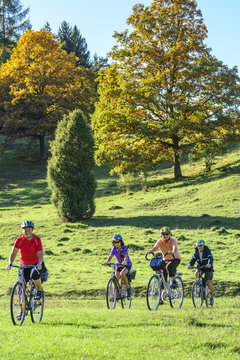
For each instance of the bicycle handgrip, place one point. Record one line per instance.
(146, 255)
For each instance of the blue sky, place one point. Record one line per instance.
(97, 20)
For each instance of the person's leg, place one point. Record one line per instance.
(123, 275)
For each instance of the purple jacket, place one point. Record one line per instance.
(121, 254)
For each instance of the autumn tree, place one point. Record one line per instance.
(73, 41)
(70, 168)
(38, 85)
(13, 23)
(164, 93)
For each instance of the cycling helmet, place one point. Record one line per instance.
(117, 237)
(200, 242)
(27, 223)
(165, 230)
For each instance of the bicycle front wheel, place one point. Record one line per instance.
(154, 292)
(111, 294)
(197, 294)
(177, 294)
(36, 308)
(125, 300)
(18, 304)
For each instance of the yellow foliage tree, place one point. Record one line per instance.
(164, 92)
(39, 84)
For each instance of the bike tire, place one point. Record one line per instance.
(207, 296)
(125, 300)
(36, 308)
(177, 295)
(197, 295)
(18, 304)
(111, 294)
(153, 293)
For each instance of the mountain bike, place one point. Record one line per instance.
(117, 291)
(23, 299)
(159, 289)
(200, 289)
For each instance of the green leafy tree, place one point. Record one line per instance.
(38, 85)
(13, 23)
(164, 92)
(72, 41)
(70, 168)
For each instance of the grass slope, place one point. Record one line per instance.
(199, 206)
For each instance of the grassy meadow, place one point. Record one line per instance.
(76, 323)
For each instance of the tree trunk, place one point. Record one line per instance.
(177, 164)
(42, 145)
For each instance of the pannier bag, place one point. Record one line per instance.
(156, 263)
(44, 275)
(132, 274)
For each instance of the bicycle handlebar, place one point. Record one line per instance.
(159, 257)
(199, 267)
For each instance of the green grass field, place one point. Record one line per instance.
(76, 323)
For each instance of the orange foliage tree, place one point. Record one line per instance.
(164, 93)
(39, 84)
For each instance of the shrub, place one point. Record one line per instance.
(70, 168)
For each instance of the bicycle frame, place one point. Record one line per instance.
(22, 298)
(118, 292)
(200, 289)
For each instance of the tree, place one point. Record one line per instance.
(70, 168)
(72, 41)
(12, 25)
(164, 92)
(39, 84)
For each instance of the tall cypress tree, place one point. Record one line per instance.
(72, 41)
(13, 23)
(70, 168)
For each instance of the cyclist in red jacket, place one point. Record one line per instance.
(31, 253)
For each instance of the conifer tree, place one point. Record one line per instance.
(12, 25)
(72, 41)
(70, 168)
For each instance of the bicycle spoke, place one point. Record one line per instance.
(111, 294)
(125, 300)
(36, 308)
(153, 292)
(18, 304)
(207, 296)
(176, 296)
(197, 296)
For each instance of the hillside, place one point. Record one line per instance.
(200, 206)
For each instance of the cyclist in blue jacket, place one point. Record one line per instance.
(203, 256)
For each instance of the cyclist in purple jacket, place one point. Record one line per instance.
(120, 251)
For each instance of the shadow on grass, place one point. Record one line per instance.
(180, 222)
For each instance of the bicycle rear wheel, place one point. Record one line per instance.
(197, 294)
(153, 293)
(125, 300)
(177, 295)
(111, 294)
(207, 296)
(36, 308)
(18, 304)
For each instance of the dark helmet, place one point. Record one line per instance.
(165, 230)
(200, 242)
(27, 223)
(117, 237)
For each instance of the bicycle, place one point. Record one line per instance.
(23, 299)
(200, 290)
(117, 291)
(158, 289)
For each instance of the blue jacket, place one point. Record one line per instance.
(207, 258)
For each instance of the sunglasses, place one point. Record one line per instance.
(116, 242)
(165, 233)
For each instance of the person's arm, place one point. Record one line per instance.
(125, 260)
(12, 257)
(155, 248)
(174, 248)
(210, 259)
(40, 259)
(192, 261)
(108, 260)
